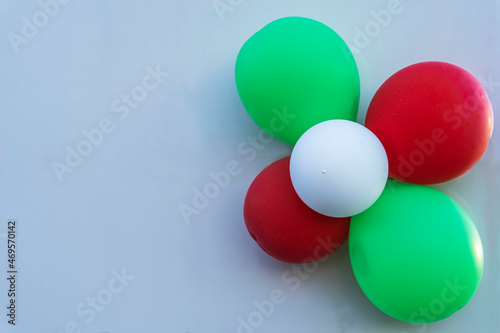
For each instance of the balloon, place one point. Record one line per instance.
(294, 73)
(416, 253)
(282, 225)
(434, 120)
(339, 168)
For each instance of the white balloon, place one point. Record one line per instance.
(339, 168)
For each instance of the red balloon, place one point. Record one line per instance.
(434, 120)
(285, 227)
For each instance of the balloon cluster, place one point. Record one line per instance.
(415, 252)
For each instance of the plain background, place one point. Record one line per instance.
(119, 208)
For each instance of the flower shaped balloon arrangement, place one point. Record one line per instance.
(411, 246)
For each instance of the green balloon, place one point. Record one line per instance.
(295, 73)
(416, 253)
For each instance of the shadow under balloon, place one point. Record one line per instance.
(215, 99)
(342, 293)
